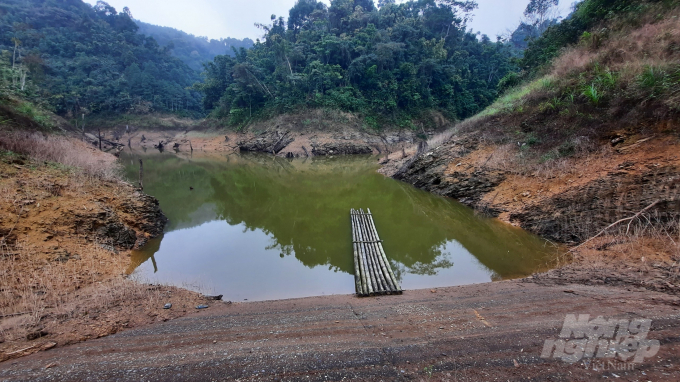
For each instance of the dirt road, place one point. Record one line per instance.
(472, 333)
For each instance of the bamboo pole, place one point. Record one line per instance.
(366, 287)
(362, 266)
(357, 282)
(371, 252)
(357, 272)
(369, 261)
(384, 267)
(365, 267)
(382, 283)
(384, 256)
(373, 284)
(376, 248)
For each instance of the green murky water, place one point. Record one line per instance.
(258, 228)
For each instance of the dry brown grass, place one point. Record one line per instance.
(35, 285)
(647, 256)
(510, 158)
(649, 250)
(441, 138)
(74, 297)
(648, 41)
(44, 295)
(66, 151)
(70, 300)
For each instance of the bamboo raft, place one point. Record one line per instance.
(372, 271)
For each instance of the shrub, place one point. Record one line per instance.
(510, 80)
(607, 79)
(532, 140)
(653, 80)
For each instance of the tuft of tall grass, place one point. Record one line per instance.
(592, 94)
(654, 80)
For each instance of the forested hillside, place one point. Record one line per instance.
(80, 59)
(594, 125)
(389, 63)
(192, 50)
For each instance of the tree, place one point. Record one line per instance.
(91, 56)
(104, 8)
(299, 14)
(391, 64)
(540, 11)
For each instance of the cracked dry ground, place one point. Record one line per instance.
(472, 333)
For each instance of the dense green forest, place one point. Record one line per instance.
(390, 63)
(79, 59)
(193, 51)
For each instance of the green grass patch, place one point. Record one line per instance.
(8, 155)
(513, 99)
(29, 110)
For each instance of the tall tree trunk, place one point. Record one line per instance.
(23, 79)
(14, 56)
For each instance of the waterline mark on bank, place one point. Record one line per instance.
(616, 344)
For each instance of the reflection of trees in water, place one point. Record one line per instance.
(430, 269)
(304, 207)
(284, 250)
(307, 209)
(303, 211)
(442, 260)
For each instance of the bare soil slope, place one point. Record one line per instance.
(65, 239)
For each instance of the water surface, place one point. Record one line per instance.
(257, 227)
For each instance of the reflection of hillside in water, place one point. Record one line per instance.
(303, 205)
